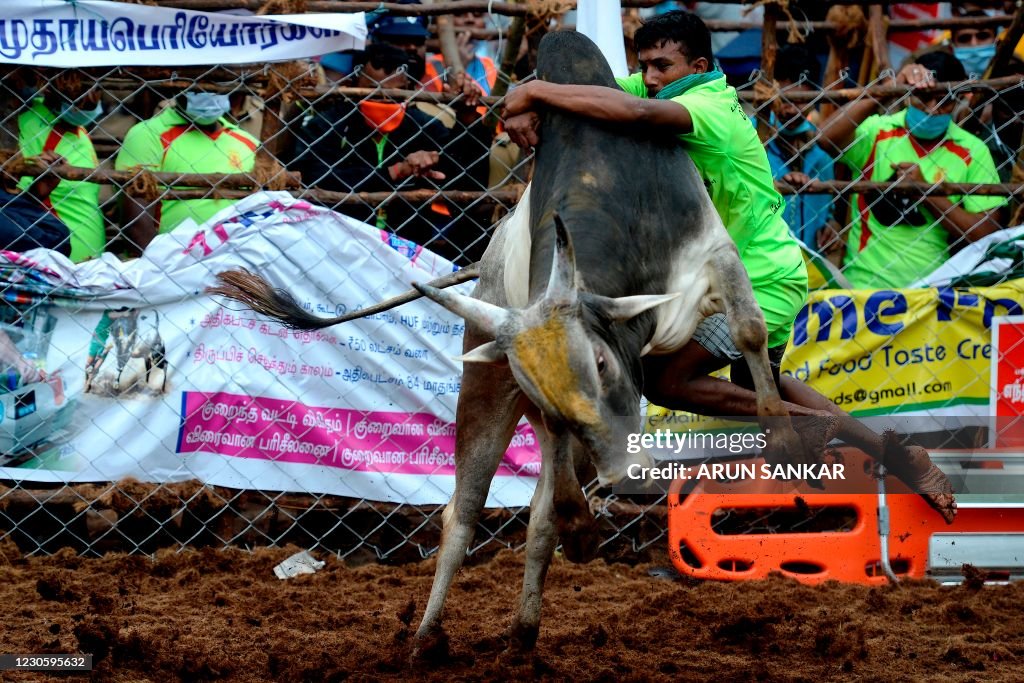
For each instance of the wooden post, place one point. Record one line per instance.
(1007, 44)
(449, 45)
(879, 38)
(769, 48)
(516, 31)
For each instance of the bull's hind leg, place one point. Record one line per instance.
(748, 331)
(490, 405)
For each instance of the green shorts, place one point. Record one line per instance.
(780, 301)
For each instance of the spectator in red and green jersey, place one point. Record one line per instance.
(193, 136)
(896, 240)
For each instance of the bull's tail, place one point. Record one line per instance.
(255, 292)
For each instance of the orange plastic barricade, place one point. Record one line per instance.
(850, 555)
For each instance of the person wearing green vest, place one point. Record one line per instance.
(896, 240)
(680, 93)
(190, 137)
(55, 124)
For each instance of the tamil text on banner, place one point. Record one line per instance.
(116, 370)
(86, 33)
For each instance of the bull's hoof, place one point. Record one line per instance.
(912, 466)
(433, 647)
(579, 540)
(521, 638)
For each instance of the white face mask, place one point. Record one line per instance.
(206, 107)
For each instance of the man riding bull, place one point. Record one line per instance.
(679, 91)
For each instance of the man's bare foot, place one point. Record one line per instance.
(783, 443)
(816, 432)
(912, 466)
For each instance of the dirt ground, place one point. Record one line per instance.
(223, 615)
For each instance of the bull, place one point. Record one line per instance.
(615, 252)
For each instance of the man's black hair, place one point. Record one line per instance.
(944, 65)
(384, 56)
(677, 26)
(794, 62)
(980, 13)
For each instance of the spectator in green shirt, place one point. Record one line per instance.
(896, 240)
(193, 136)
(55, 124)
(680, 93)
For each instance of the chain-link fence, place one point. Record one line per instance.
(100, 161)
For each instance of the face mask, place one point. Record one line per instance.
(801, 127)
(386, 117)
(206, 107)
(73, 116)
(927, 126)
(975, 58)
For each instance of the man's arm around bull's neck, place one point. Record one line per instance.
(600, 103)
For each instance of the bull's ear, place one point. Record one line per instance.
(485, 353)
(562, 281)
(487, 317)
(623, 308)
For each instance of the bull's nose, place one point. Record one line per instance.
(633, 463)
(643, 459)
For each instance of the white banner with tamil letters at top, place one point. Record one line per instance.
(148, 377)
(87, 33)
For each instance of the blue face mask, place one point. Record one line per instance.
(73, 116)
(206, 107)
(975, 58)
(799, 126)
(927, 126)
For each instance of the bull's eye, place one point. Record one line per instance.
(601, 365)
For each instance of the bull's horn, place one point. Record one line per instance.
(624, 308)
(485, 353)
(562, 281)
(487, 317)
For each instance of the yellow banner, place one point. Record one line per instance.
(891, 351)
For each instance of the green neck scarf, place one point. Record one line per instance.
(677, 88)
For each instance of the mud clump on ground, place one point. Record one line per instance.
(223, 615)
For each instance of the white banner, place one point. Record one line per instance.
(601, 21)
(85, 33)
(150, 378)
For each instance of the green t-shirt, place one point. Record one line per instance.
(76, 203)
(883, 254)
(734, 166)
(168, 142)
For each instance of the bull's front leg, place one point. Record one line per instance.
(489, 407)
(748, 331)
(558, 510)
